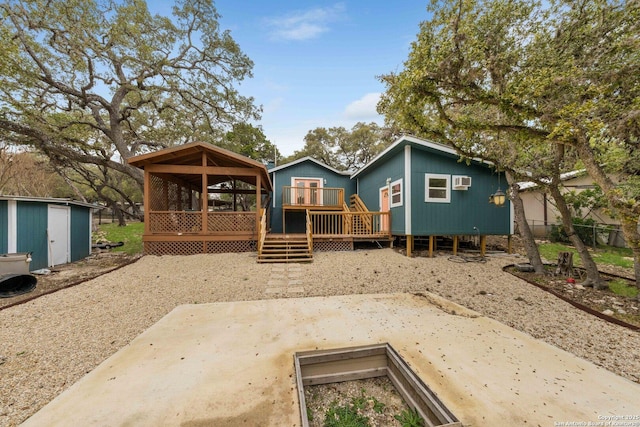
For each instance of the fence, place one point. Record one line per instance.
(592, 234)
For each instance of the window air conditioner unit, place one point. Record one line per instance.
(461, 182)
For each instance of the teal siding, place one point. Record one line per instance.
(32, 232)
(4, 226)
(370, 182)
(80, 233)
(307, 169)
(467, 209)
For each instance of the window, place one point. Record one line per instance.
(437, 188)
(396, 193)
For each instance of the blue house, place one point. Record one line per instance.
(56, 231)
(430, 192)
(306, 184)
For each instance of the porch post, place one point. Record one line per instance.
(258, 199)
(147, 201)
(204, 200)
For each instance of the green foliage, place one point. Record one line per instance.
(344, 416)
(623, 288)
(344, 149)
(410, 418)
(131, 235)
(532, 86)
(585, 228)
(620, 257)
(92, 83)
(250, 141)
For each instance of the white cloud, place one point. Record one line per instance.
(304, 25)
(363, 109)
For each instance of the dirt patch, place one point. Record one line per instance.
(602, 301)
(66, 275)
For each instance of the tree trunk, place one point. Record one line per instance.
(632, 237)
(627, 212)
(565, 264)
(525, 232)
(593, 275)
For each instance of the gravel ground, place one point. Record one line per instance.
(49, 343)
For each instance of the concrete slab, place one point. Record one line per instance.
(231, 364)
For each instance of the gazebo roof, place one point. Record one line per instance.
(191, 154)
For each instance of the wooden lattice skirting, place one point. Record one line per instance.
(335, 245)
(195, 247)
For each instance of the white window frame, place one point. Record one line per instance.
(391, 193)
(447, 188)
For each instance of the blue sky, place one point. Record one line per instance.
(315, 63)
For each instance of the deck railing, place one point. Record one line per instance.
(350, 224)
(312, 197)
(309, 233)
(262, 232)
(190, 222)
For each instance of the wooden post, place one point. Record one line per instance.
(455, 245)
(509, 247)
(409, 245)
(431, 244)
(565, 264)
(258, 201)
(483, 245)
(147, 201)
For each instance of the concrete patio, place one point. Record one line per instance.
(231, 364)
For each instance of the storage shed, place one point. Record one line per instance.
(56, 231)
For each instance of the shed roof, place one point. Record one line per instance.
(191, 155)
(54, 200)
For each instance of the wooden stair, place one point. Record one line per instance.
(284, 249)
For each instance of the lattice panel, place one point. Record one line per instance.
(175, 222)
(173, 248)
(231, 246)
(166, 195)
(337, 245)
(235, 221)
(193, 248)
(157, 200)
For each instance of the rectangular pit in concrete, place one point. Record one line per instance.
(354, 363)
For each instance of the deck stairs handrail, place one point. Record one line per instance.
(358, 205)
(309, 234)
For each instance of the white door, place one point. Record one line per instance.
(58, 235)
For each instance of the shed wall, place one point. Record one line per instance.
(32, 232)
(307, 169)
(80, 232)
(467, 208)
(4, 227)
(370, 182)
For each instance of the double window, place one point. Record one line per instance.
(437, 188)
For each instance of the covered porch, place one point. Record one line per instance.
(199, 198)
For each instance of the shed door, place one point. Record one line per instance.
(58, 234)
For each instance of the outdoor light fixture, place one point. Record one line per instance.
(498, 198)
